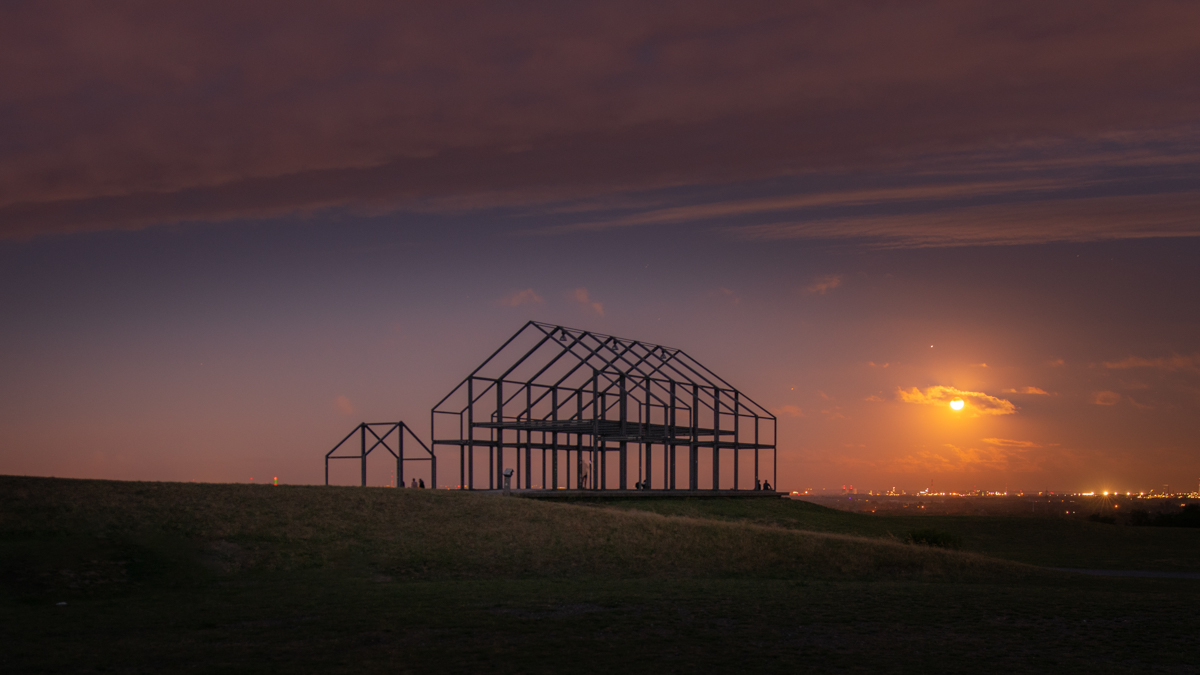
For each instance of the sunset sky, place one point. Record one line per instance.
(231, 232)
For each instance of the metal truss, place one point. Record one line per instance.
(388, 428)
(585, 401)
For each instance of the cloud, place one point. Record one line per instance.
(727, 295)
(873, 398)
(343, 405)
(953, 459)
(976, 401)
(878, 365)
(1062, 220)
(121, 118)
(1009, 443)
(525, 297)
(822, 285)
(836, 198)
(581, 296)
(1027, 390)
(1105, 398)
(788, 411)
(1169, 364)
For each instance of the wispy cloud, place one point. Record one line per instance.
(1062, 220)
(1168, 364)
(1105, 398)
(343, 405)
(953, 459)
(581, 296)
(976, 401)
(788, 411)
(525, 297)
(727, 295)
(1026, 390)
(823, 285)
(1010, 443)
(837, 198)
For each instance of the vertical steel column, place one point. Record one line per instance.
(737, 416)
(499, 478)
(470, 484)
(774, 454)
(756, 483)
(671, 435)
(554, 440)
(596, 411)
(604, 444)
(578, 443)
(363, 430)
(578, 461)
(716, 438)
(400, 455)
(693, 460)
(647, 447)
(622, 457)
(529, 437)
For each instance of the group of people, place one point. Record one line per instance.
(418, 484)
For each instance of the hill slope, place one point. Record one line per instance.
(116, 530)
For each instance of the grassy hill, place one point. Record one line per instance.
(104, 576)
(94, 531)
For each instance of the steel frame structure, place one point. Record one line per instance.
(589, 399)
(400, 429)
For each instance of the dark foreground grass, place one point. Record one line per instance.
(213, 578)
(317, 622)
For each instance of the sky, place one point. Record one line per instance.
(229, 233)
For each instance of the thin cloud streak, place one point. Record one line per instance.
(1073, 220)
(845, 198)
(1174, 363)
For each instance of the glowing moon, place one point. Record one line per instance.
(957, 404)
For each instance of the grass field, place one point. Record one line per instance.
(161, 577)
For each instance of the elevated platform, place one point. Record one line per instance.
(640, 494)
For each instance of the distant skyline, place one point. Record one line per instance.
(228, 234)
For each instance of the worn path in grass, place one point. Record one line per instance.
(1043, 541)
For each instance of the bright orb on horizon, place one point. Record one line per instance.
(957, 404)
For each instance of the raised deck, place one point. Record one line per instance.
(640, 494)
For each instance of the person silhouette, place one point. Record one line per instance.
(422, 483)
(766, 485)
(414, 483)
